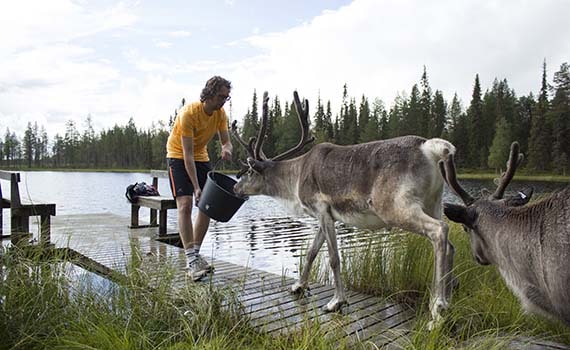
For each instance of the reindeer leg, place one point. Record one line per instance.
(316, 245)
(450, 280)
(436, 230)
(339, 298)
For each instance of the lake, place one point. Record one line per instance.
(261, 235)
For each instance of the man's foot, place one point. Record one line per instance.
(196, 271)
(203, 263)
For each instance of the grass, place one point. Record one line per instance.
(42, 308)
(483, 314)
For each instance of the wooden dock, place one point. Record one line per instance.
(106, 240)
(103, 244)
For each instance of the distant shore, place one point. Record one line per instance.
(467, 174)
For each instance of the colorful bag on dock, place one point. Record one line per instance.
(140, 189)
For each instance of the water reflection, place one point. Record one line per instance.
(261, 235)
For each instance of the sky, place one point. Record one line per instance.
(64, 60)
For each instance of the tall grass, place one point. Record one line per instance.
(482, 307)
(42, 308)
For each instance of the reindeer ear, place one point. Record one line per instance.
(520, 199)
(459, 213)
(256, 165)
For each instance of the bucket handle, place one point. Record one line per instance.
(216, 164)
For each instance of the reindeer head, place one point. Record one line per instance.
(253, 175)
(477, 213)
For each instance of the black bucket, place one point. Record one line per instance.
(218, 199)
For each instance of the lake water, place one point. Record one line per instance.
(261, 235)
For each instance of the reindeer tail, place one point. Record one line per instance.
(437, 149)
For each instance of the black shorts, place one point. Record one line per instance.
(180, 183)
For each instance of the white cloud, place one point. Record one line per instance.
(62, 59)
(380, 47)
(180, 34)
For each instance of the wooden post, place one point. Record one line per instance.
(135, 215)
(162, 221)
(153, 211)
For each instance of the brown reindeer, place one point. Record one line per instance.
(389, 183)
(529, 245)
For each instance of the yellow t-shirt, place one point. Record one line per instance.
(193, 122)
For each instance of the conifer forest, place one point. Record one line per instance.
(482, 129)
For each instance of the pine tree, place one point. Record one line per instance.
(381, 116)
(319, 130)
(559, 118)
(425, 118)
(439, 113)
(540, 132)
(328, 123)
(476, 124)
(29, 140)
(458, 131)
(397, 116)
(373, 128)
(412, 113)
(274, 120)
(363, 119)
(500, 148)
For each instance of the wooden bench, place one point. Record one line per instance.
(156, 203)
(22, 208)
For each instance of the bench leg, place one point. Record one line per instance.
(20, 232)
(135, 216)
(45, 229)
(20, 224)
(153, 218)
(162, 223)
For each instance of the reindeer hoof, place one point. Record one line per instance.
(298, 288)
(437, 308)
(334, 305)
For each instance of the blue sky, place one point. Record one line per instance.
(66, 59)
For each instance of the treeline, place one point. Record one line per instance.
(120, 147)
(482, 131)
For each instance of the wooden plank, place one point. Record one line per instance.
(266, 297)
(324, 319)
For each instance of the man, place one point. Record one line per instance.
(188, 163)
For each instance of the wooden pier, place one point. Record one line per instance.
(105, 240)
(103, 243)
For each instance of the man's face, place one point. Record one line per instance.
(218, 100)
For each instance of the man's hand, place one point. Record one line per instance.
(197, 195)
(226, 153)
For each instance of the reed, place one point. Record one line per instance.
(42, 307)
(482, 307)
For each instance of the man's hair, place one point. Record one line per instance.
(213, 86)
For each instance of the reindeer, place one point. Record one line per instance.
(389, 183)
(530, 245)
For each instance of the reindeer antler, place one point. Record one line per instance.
(515, 158)
(248, 146)
(450, 175)
(303, 115)
(258, 152)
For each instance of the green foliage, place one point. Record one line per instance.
(499, 152)
(483, 312)
(540, 126)
(43, 307)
